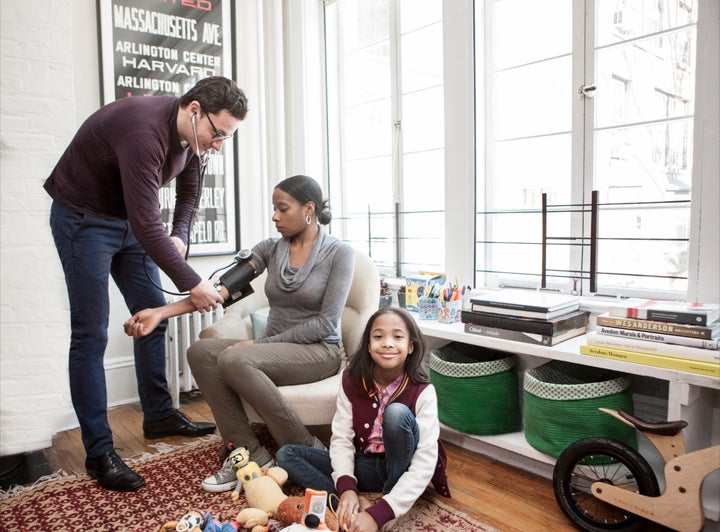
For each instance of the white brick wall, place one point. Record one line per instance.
(48, 87)
(49, 83)
(37, 118)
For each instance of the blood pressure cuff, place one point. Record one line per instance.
(237, 281)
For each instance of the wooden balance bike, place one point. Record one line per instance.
(603, 484)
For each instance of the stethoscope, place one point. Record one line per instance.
(202, 165)
(202, 159)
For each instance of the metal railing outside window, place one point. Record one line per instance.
(603, 268)
(400, 242)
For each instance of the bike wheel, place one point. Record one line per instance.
(600, 460)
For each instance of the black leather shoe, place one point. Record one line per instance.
(176, 424)
(112, 473)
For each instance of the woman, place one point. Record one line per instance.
(309, 277)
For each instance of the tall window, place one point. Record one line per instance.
(576, 104)
(386, 129)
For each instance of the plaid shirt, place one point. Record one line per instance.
(375, 441)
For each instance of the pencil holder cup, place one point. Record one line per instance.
(449, 311)
(427, 308)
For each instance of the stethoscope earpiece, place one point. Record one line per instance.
(197, 145)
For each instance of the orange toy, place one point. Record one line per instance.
(295, 510)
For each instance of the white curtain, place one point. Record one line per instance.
(704, 284)
(279, 57)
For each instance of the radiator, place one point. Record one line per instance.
(182, 331)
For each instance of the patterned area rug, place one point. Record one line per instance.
(172, 487)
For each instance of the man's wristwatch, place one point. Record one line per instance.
(218, 285)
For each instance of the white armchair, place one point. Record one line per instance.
(314, 402)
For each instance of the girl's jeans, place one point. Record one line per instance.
(310, 467)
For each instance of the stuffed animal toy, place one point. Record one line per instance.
(263, 489)
(253, 519)
(215, 525)
(197, 522)
(246, 470)
(265, 492)
(292, 511)
(190, 522)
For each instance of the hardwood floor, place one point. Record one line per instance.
(68, 453)
(494, 493)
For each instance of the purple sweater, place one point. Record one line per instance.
(115, 166)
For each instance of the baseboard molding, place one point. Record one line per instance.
(121, 381)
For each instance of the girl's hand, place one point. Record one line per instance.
(143, 323)
(347, 509)
(363, 522)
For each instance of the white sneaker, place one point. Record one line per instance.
(265, 459)
(226, 479)
(223, 480)
(317, 444)
(268, 465)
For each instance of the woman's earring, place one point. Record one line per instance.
(308, 220)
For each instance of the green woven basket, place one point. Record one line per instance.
(561, 402)
(477, 389)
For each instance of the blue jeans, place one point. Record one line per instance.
(310, 468)
(91, 249)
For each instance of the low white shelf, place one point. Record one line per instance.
(569, 350)
(691, 397)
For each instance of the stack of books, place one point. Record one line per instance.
(681, 336)
(542, 318)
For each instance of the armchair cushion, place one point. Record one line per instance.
(258, 320)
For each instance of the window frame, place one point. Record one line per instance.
(582, 145)
(460, 43)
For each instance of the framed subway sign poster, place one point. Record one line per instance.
(164, 47)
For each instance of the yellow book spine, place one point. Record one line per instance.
(661, 361)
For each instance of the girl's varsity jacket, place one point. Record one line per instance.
(351, 428)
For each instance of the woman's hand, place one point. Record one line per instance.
(143, 323)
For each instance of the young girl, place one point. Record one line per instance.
(385, 433)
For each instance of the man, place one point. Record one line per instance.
(105, 220)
